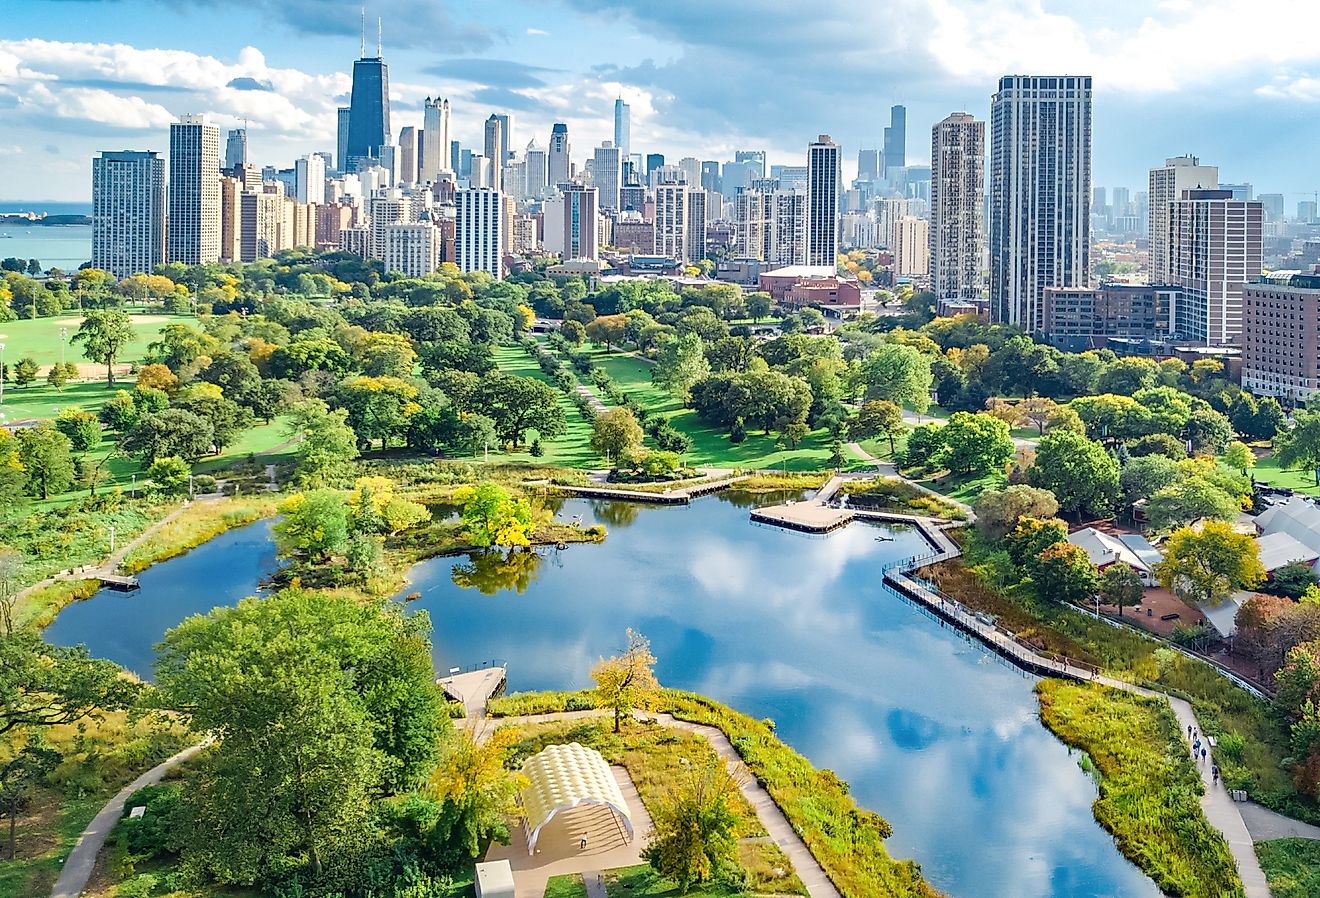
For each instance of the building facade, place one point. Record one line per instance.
(435, 138)
(1167, 185)
(912, 250)
(479, 239)
(622, 127)
(128, 212)
(824, 181)
(193, 231)
(607, 174)
(1077, 319)
(368, 112)
(580, 214)
(412, 248)
(957, 203)
(1040, 191)
(1214, 250)
(1281, 336)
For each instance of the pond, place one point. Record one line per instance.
(930, 730)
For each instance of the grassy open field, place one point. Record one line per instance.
(41, 400)
(40, 338)
(571, 450)
(1267, 471)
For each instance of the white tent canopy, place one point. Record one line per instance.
(563, 777)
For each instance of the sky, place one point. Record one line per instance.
(1236, 82)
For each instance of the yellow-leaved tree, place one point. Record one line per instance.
(627, 680)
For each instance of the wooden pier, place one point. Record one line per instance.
(475, 687)
(679, 495)
(118, 582)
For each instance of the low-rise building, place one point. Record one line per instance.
(1076, 319)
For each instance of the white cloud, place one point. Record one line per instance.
(537, 32)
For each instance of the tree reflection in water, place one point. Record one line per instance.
(495, 570)
(615, 514)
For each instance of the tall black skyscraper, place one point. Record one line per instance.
(896, 138)
(369, 108)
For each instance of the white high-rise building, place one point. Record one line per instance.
(824, 180)
(671, 220)
(622, 127)
(435, 138)
(408, 164)
(579, 222)
(1166, 186)
(607, 174)
(193, 227)
(412, 248)
(559, 158)
(384, 208)
(788, 242)
(957, 203)
(691, 169)
(309, 175)
(1214, 251)
(912, 253)
(753, 212)
(479, 239)
(1040, 192)
(128, 212)
(494, 152)
(535, 169)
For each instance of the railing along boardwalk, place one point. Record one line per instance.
(676, 496)
(475, 687)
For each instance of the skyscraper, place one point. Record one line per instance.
(1167, 185)
(580, 223)
(128, 212)
(193, 234)
(895, 143)
(506, 136)
(236, 154)
(672, 219)
(369, 108)
(868, 165)
(957, 198)
(607, 174)
(479, 232)
(912, 249)
(494, 151)
(824, 177)
(309, 175)
(1040, 191)
(654, 161)
(536, 170)
(408, 155)
(341, 141)
(1214, 250)
(435, 138)
(559, 157)
(622, 126)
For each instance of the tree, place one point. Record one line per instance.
(1144, 476)
(25, 371)
(169, 474)
(1080, 473)
(314, 525)
(1063, 573)
(378, 407)
(573, 332)
(877, 418)
(1190, 500)
(1121, 586)
(336, 697)
(1239, 455)
(1126, 376)
(479, 792)
(159, 377)
(493, 517)
(975, 444)
(1300, 446)
(1206, 565)
(1157, 444)
(60, 374)
(19, 779)
(517, 404)
(607, 330)
(227, 418)
(898, 373)
(1209, 431)
(1292, 580)
(174, 431)
(695, 835)
(272, 398)
(627, 680)
(680, 364)
(1032, 536)
(616, 433)
(45, 685)
(44, 453)
(998, 511)
(82, 428)
(759, 305)
(328, 446)
(378, 509)
(103, 333)
(1038, 412)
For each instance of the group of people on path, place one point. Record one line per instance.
(1200, 753)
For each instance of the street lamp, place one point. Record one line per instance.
(2, 373)
(64, 335)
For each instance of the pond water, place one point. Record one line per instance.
(930, 730)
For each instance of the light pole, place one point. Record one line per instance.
(2, 373)
(64, 334)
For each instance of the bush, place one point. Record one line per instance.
(149, 836)
(520, 704)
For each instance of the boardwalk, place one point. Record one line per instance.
(474, 688)
(681, 495)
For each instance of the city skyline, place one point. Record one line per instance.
(80, 77)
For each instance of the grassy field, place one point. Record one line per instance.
(41, 400)
(1267, 471)
(40, 338)
(570, 450)
(1292, 867)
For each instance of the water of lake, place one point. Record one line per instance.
(54, 246)
(931, 731)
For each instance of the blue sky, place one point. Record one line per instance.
(1223, 79)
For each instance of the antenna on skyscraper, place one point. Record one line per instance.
(380, 52)
(362, 45)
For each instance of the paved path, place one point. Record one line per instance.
(1224, 814)
(890, 469)
(78, 867)
(767, 812)
(1264, 824)
(592, 399)
(595, 884)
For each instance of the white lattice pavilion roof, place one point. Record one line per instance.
(562, 777)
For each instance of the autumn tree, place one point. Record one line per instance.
(695, 835)
(478, 792)
(1063, 573)
(998, 511)
(627, 680)
(1207, 565)
(494, 517)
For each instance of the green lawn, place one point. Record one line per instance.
(570, 450)
(41, 400)
(965, 488)
(1292, 867)
(1267, 471)
(643, 882)
(40, 338)
(567, 885)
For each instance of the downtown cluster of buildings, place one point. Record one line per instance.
(1003, 227)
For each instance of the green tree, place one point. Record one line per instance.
(82, 428)
(878, 418)
(1239, 455)
(1299, 447)
(43, 685)
(20, 778)
(169, 474)
(1208, 564)
(695, 839)
(174, 431)
(1121, 586)
(1209, 431)
(328, 445)
(626, 680)
(1144, 476)
(1126, 376)
(378, 407)
(898, 373)
(518, 404)
(1080, 473)
(227, 418)
(1293, 580)
(336, 697)
(680, 364)
(1190, 500)
(998, 511)
(25, 371)
(103, 333)
(573, 332)
(314, 525)
(615, 434)
(1063, 573)
(976, 444)
(44, 453)
(759, 305)
(493, 517)
(1033, 536)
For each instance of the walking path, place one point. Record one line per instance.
(783, 834)
(1264, 824)
(595, 884)
(890, 469)
(676, 496)
(592, 399)
(81, 861)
